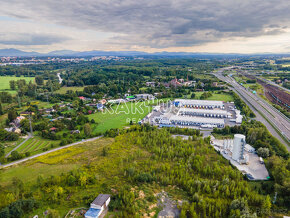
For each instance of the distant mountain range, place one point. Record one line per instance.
(68, 53)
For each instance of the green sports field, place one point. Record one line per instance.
(4, 82)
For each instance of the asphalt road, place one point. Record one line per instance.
(276, 122)
(29, 136)
(47, 152)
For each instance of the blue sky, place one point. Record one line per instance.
(223, 26)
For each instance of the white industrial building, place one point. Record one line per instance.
(193, 113)
(204, 112)
(198, 103)
(239, 117)
(194, 121)
(238, 147)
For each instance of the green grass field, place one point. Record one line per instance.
(4, 82)
(215, 96)
(63, 90)
(120, 116)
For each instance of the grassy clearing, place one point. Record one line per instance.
(63, 90)
(215, 96)
(42, 104)
(55, 163)
(4, 82)
(120, 115)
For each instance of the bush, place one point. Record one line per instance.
(19, 208)
(263, 152)
(15, 155)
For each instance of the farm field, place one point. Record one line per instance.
(120, 115)
(35, 145)
(4, 82)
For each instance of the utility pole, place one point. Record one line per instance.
(30, 124)
(275, 198)
(19, 101)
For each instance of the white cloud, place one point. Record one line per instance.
(148, 25)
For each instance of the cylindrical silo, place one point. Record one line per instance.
(239, 141)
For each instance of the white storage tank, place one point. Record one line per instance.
(238, 148)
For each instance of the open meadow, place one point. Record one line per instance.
(4, 82)
(64, 89)
(120, 115)
(215, 96)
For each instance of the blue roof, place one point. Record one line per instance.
(176, 103)
(92, 212)
(166, 125)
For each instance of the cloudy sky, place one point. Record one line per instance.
(240, 26)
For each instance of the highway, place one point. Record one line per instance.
(276, 122)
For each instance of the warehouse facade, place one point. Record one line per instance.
(198, 104)
(192, 121)
(204, 112)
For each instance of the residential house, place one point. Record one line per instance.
(151, 84)
(49, 110)
(26, 113)
(116, 101)
(100, 106)
(75, 131)
(103, 101)
(52, 129)
(99, 207)
(18, 120)
(144, 96)
(13, 129)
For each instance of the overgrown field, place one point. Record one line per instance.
(134, 167)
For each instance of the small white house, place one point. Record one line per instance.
(99, 207)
